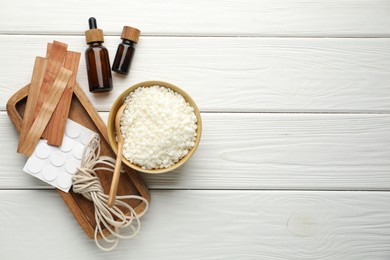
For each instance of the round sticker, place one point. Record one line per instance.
(35, 165)
(42, 150)
(64, 181)
(78, 150)
(50, 173)
(73, 132)
(57, 159)
(67, 145)
(71, 166)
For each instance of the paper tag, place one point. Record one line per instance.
(57, 165)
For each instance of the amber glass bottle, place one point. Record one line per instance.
(125, 51)
(98, 62)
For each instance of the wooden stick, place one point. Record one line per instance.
(33, 94)
(53, 97)
(48, 49)
(54, 63)
(118, 163)
(55, 129)
(115, 176)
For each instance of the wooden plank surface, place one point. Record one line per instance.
(262, 151)
(319, 73)
(200, 17)
(209, 225)
(235, 74)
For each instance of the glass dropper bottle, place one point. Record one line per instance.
(125, 51)
(98, 61)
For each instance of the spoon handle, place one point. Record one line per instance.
(115, 178)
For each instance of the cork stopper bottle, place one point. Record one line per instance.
(98, 62)
(125, 51)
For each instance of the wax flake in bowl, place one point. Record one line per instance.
(158, 126)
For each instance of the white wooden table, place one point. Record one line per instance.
(294, 161)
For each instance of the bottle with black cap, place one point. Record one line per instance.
(98, 62)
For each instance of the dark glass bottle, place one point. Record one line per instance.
(98, 62)
(125, 51)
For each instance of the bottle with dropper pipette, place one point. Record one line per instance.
(98, 62)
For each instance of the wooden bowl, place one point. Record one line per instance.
(118, 103)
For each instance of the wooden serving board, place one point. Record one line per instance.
(84, 113)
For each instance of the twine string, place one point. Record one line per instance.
(114, 220)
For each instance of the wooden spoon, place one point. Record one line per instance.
(118, 163)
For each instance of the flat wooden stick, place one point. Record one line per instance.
(55, 129)
(33, 94)
(53, 97)
(55, 61)
(48, 49)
